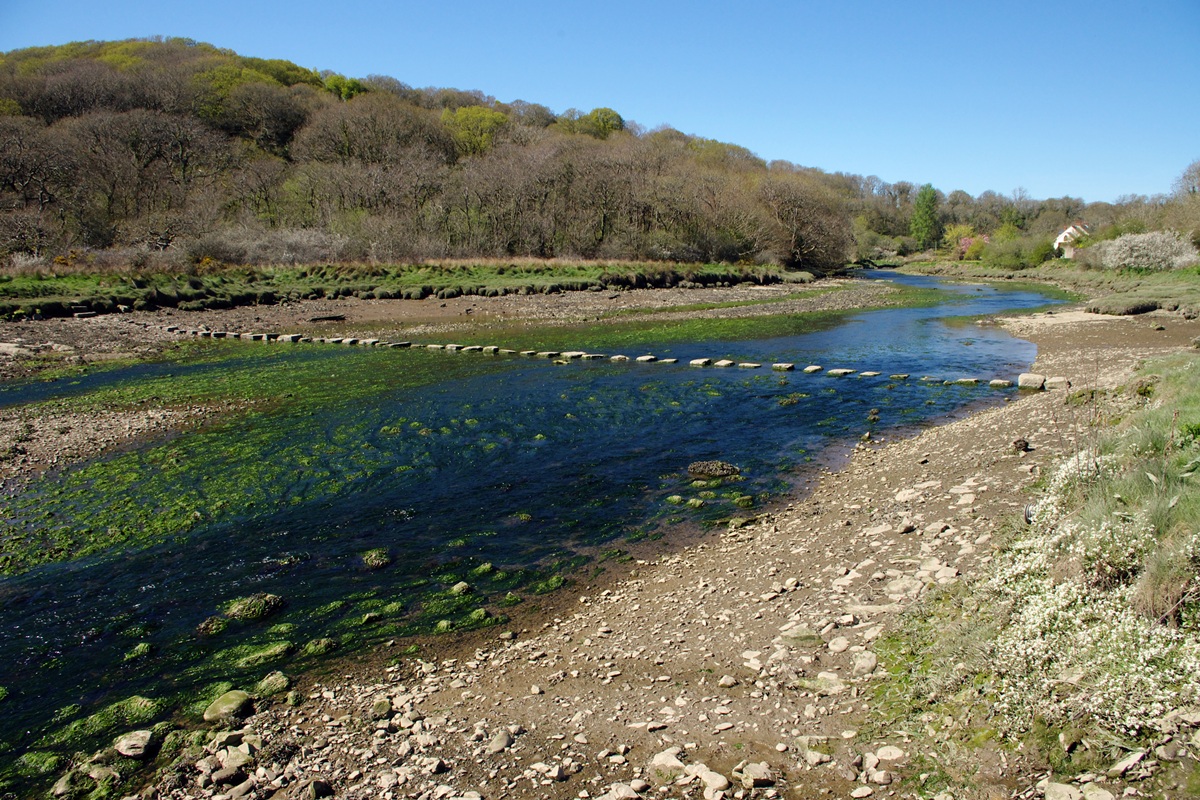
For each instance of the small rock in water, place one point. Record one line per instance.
(712, 469)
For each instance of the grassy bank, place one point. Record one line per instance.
(67, 288)
(1080, 643)
(1107, 292)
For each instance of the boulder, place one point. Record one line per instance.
(232, 705)
(1058, 383)
(137, 744)
(273, 683)
(712, 469)
(1031, 380)
(865, 663)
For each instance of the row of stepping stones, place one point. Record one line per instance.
(1026, 380)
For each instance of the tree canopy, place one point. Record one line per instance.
(176, 149)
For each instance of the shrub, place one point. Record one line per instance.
(1157, 250)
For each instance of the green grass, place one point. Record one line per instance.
(1102, 592)
(55, 290)
(1106, 292)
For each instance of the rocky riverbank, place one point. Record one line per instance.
(744, 665)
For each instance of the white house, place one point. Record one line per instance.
(1065, 240)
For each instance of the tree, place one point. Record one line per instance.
(1187, 185)
(811, 228)
(474, 128)
(924, 225)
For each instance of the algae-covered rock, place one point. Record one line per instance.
(36, 763)
(232, 705)
(377, 558)
(262, 655)
(273, 683)
(462, 587)
(140, 650)
(712, 469)
(213, 625)
(256, 606)
(319, 647)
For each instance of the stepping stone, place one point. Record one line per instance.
(700, 362)
(783, 367)
(647, 359)
(813, 368)
(839, 373)
(748, 365)
(724, 362)
(1031, 380)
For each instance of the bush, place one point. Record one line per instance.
(1019, 253)
(1157, 250)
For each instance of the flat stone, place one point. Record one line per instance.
(1125, 764)
(839, 373)
(724, 362)
(700, 362)
(889, 752)
(1057, 384)
(813, 368)
(1062, 791)
(754, 774)
(500, 742)
(783, 366)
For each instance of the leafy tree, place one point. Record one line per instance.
(924, 225)
(957, 238)
(474, 128)
(343, 87)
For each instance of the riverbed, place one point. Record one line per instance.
(509, 475)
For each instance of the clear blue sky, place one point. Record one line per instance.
(1089, 99)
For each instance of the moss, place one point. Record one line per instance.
(319, 647)
(255, 606)
(257, 656)
(548, 585)
(130, 712)
(37, 763)
(378, 558)
(140, 650)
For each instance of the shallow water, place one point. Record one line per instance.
(515, 463)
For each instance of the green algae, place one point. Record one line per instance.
(129, 713)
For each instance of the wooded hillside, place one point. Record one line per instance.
(174, 151)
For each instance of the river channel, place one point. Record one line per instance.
(362, 510)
